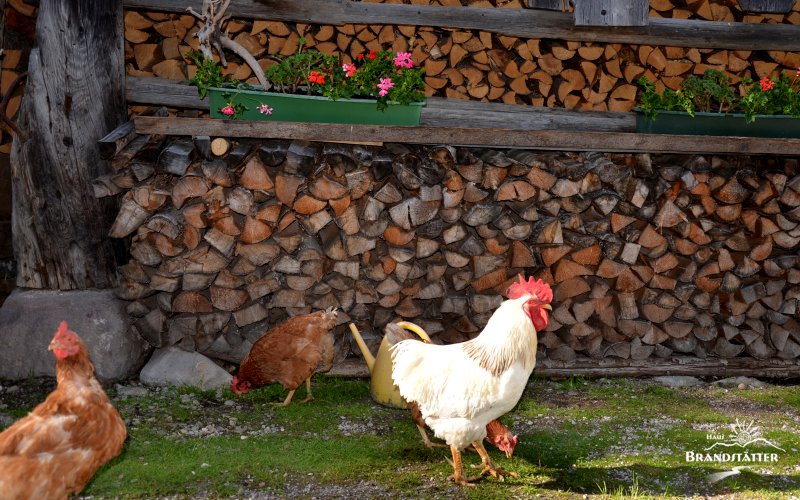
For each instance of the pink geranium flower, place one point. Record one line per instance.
(403, 60)
(349, 69)
(385, 85)
(264, 109)
(227, 110)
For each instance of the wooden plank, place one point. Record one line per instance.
(474, 114)
(545, 4)
(493, 137)
(524, 23)
(776, 6)
(612, 12)
(115, 140)
(163, 92)
(438, 111)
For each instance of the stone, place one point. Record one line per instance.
(29, 318)
(134, 391)
(173, 366)
(739, 381)
(678, 381)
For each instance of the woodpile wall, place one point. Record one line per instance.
(473, 64)
(650, 257)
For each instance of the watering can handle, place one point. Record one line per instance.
(416, 329)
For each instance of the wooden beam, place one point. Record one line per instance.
(524, 23)
(163, 92)
(439, 112)
(568, 140)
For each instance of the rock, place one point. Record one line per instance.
(739, 382)
(136, 391)
(173, 366)
(678, 381)
(29, 318)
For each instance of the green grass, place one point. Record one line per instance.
(605, 439)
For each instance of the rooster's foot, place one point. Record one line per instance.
(464, 481)
(431, 445)
(498, 472)
(307, 399)
(488, 466)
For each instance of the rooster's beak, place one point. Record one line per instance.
(547, 306)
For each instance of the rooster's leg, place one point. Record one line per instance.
(458, 476)
(426, 440)
(309, 396)
(287, 400)
(488, 466)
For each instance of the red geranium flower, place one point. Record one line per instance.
(766, 84)
(316, 77)
(372, 54)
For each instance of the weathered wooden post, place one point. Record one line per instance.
(73, 97)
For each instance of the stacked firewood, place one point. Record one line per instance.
(470, 64)
(17, 26)
(648, 257)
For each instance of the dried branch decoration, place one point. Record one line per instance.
(211, 35)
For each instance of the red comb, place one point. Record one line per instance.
(531, 287)
(62, 328)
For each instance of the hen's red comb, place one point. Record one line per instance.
(63, 330)
(533, 287)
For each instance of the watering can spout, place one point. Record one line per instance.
(368, 357)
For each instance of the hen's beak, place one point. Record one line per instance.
(53, 345)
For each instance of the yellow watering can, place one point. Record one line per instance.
(381, 387)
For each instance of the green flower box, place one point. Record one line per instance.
(732, 124)
(307, 108)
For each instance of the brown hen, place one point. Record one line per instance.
(289, 354)
(57, 448)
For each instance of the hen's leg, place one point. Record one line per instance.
(309, 396)
(488, 466)
(287, 400)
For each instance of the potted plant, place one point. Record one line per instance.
(711, 105)
(378, 87)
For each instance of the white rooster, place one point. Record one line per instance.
(462, 387)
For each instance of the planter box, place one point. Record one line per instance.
(676, 122)
(305, 108)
